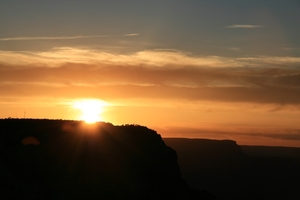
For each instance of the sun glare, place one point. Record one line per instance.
(91, 110)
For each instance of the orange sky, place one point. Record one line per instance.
(185, 69)
(177, 94)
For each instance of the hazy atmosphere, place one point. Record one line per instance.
(195, 69)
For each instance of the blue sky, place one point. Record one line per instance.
(215, 69)
(199, 27)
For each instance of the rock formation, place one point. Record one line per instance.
(57, 159)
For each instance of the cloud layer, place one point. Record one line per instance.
(151, 74)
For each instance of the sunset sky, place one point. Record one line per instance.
(198, 69)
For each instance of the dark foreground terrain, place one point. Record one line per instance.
(56, 159)
(233, 172)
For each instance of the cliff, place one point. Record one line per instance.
(56, 159)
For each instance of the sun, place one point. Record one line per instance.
(91, 109)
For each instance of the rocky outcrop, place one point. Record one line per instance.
(56, 159)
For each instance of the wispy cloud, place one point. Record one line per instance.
(244, 26)
(52, 38)
(132, 34)
(148, 58)
(64, 37)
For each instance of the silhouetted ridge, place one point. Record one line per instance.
(56, 159)
(204, 148)
(222, 168)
